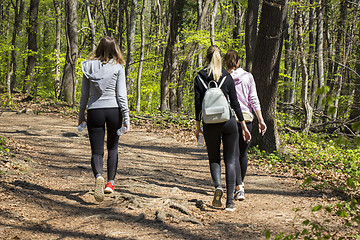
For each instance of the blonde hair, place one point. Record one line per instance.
(108, 49)
(213, 57)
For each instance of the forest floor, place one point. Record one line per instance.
(163, 188)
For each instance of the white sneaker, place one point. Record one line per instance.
(240, 194)
(99, 189)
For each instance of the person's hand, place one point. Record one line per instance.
(246, 135)
(197, 133)
(127, 128)
(262, 128)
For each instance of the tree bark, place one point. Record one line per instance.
(68, 84)
(308, 110)
(19, 14)
(131, 46)
(57, 48)
(294, 63)
(142, 50)
(176, 18)
(266, 69)
(212, 22)
(251, 32)
(104, 16)
(91, 25)
(320, 57)
(30, 75)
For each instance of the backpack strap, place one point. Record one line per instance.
(202, 81)
(222, 81)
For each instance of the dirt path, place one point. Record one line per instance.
(163, 189)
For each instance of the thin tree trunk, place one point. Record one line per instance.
(142, 50)
(131, 45)
(176, 18)
(251, 32)
(294, 63)
(57, 48)
(19, 14)
(212, 22)
(308, 110)
(286, 97)
(320, 57)
(68, 84)
(30, 75)
(237, 23)
(266, 69)
(91, 25)
(104, 16)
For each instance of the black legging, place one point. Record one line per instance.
(96, 127)
(213, 133)
(242, 159)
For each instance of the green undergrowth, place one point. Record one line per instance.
(327, 163)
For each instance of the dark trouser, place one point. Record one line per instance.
(241, 152)
(229, 133)
(96, 120)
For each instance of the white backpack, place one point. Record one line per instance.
(215, 106)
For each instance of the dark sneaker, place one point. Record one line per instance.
(109, 188)
(99, 189)
(239, 195)
(217, 197)
(230, 207)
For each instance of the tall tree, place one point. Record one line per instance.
(131, 28)
(68, 84)
(142, 50)
(320, 56)
(19, 14)
(57, 48)
(308, 110)
(91, 25)
(266, 68)
(251, 32)
(30, 82)
(176, 17)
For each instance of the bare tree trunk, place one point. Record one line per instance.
(30, 75)
(91, 25)
(294, 63)
(212, 22)
(286, 97)
(131, 46)
(58, 48)
(142, 50)
(176, 18)
(320, 57)
(237, 23)
(19, 14)
(104, 16)
(251, 32)
(68, 84)
(266, 69)
(308, 110)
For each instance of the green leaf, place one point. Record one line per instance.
(317, 208)
(356, 126)
(267, 234)
(351, 183)
(308, 180)
(331, 110)
(342, 213)
(306, 222)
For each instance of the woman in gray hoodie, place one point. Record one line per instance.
(104, 95)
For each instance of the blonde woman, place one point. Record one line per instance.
(227, 131)
(104, 95)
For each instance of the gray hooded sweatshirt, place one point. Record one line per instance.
(103, 86)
